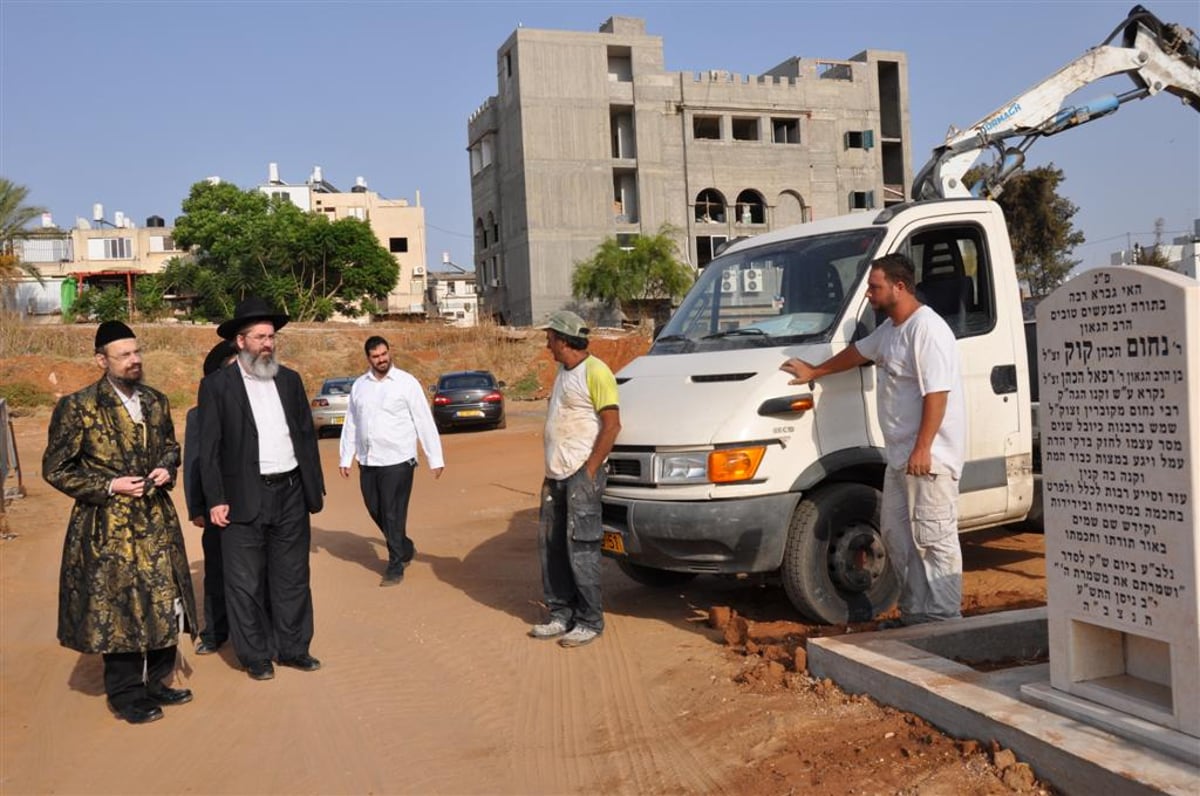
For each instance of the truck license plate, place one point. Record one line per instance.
(613, 543)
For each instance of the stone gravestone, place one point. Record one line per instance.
(1120, 389)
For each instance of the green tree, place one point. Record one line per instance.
(1040, 228)
(641, 279)
(107, 304)
(14, 215)
(246, 243)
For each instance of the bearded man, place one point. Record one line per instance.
(261, 475)
(125, 590)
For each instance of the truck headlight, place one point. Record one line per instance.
(724, 466)
(682, 468)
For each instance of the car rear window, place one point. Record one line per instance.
(336, 388)
(467, 383)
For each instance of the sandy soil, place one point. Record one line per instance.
(433, 687)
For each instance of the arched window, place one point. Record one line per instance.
(790, 209)
(480, 234)
(710, 207)
(750, 208)
(494, 227)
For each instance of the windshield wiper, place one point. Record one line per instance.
(748, 330)
(671, 338)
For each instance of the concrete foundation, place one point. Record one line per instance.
(924, 670)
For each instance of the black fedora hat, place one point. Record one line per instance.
(251, 309)
(217, 356)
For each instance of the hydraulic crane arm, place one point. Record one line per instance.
(1157, 56)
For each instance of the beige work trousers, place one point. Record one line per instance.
(919, 521)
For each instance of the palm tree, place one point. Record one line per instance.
(14, 215)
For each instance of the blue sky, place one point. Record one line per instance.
(130, 103)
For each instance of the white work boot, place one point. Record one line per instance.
(578, 636)
(552, 629)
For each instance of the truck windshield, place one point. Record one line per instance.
(778, 294)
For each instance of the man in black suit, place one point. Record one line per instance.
(261, 474)
(216, 620)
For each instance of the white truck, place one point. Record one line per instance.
(722, 467)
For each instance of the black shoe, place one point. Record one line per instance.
(392, 578)
(163, 695)
(304, 662)
(140, 711)
(260, 670)
(206, 647)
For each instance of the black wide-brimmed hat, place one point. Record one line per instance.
(250, 310)
(217, 356)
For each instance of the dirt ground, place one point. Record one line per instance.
(433, 687)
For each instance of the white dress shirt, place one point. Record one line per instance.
(384, 420)
(276, 453)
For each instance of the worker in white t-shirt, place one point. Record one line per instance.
(922, 416)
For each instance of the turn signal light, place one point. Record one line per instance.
(802, 404)
(734, 464)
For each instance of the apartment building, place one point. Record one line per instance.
(101, 252)
(588, 136)
(398, 226)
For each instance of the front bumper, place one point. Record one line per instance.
(713, 536)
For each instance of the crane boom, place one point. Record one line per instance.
(1157, 56)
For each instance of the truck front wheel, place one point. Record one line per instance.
(835, 569)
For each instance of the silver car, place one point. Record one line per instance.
(329, 405)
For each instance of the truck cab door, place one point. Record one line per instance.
(956, 278)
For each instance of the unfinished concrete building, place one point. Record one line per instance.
(589, 137)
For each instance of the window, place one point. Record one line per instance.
(494, 227)
(357, 212)
(480, 235)
(110, 249)
(162, 243)
(954, 276)
(707, 247)
(710, 207)
(862, 200)
(450, 287)
(785, 131)
(397, 245)
(620, 65)
(508, 64)
(476, 159)
(620, 123)
(745, 129)
(750, 208)
(706, 127)
(860, 139)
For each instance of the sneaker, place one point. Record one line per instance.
(578, 636)
(552, 629)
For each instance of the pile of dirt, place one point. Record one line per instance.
(888, 748)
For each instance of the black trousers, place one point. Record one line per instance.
(267, 559)
(125, 679)
(386, 491)
(216, 619)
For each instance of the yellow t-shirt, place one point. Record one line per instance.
(573, 417)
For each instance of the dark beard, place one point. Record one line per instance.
(126, 383)
(257, 367)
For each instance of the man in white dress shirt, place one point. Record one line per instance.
(386, 417)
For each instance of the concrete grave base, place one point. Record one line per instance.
(918, 669)
(1148, 734)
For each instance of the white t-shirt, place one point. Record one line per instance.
(573, 417)
(918, 357)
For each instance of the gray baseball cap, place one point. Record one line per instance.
(568, 323)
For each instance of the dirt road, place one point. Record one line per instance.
(433, 687)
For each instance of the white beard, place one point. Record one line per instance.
(259, 367)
